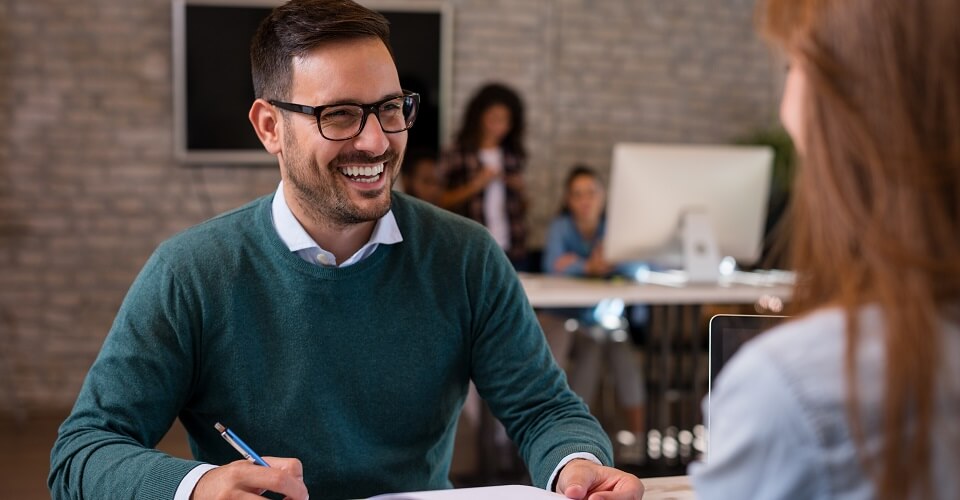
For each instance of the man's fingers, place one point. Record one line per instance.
(276, 480)
(292, 466)
(615, 495)
(237, 479)
(581, 479)
(575, 491)
(575, 481)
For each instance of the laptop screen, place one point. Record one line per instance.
(730, 331)
(727, 333)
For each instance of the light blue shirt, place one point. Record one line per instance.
(564, 238)
(779, 426)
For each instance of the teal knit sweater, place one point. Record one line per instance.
(360, 372)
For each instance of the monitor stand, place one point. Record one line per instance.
(701, 257)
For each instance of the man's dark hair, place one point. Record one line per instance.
(299, 26)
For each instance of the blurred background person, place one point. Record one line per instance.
(858, 397)
(420, 177)
(483, 169)
(574, 247)
(574, 244)
(483, 178)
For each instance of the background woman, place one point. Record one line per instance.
(484, 169)
(574, 247)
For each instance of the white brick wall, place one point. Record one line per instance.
(88, 184)
(595, 72)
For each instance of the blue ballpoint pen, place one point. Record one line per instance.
(239, 445)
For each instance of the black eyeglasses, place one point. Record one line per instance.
(339, 122)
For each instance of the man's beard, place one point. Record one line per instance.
(320, 194)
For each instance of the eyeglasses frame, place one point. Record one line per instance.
(368, 109)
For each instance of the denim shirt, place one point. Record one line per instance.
(563, 238)
(779, 426)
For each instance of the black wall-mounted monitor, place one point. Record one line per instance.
(213, 89)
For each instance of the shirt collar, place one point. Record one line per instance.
(299, 241)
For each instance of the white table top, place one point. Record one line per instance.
(668, 488)
(557, 291)
(658, 488)
(505, 492)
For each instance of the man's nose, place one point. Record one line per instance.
(372, 138)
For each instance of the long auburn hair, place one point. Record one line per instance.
(876, 210)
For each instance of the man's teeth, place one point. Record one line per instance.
(373, 171)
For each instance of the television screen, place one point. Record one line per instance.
(213, 89)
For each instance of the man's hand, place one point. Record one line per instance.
(585, 480)
(242, 479)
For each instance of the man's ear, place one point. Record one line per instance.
(266, 122)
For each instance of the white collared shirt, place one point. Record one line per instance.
(292, 233)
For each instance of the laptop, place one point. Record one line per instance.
(727, 333)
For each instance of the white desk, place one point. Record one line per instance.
(668, 488)
(676, 358)
(545, 291)
(658, 488)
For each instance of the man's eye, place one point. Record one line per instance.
(391, 106)
(338, 113)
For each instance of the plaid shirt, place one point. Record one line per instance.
(459, 167)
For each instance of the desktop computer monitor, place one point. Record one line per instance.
(686, 206)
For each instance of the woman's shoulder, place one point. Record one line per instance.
(803, 347)
(817, 335)
(822, 325)
(561, 219)
(762, 424)
(791, 375)
(561, 226)
(807, 356)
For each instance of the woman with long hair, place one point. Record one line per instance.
(484, 168)
(858, 397)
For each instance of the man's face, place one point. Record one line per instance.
(342, 182)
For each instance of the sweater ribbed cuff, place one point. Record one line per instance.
(161, 481)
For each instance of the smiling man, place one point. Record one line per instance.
(334, 324)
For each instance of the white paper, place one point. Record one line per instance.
(508, 492)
